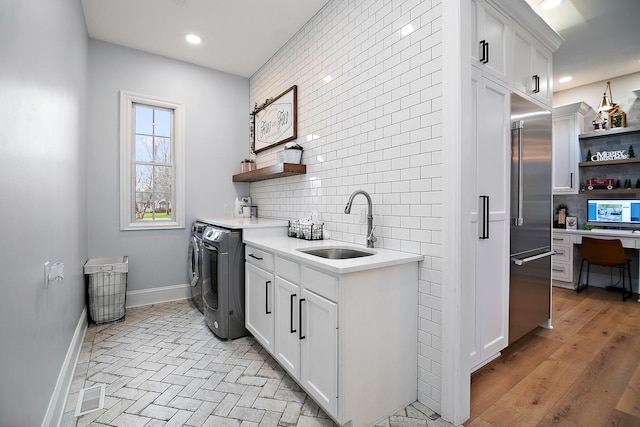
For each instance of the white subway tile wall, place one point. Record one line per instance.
(374, 125)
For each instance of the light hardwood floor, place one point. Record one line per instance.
(583, 372)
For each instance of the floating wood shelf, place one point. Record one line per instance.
(613, 191)
(609, 162)
(609, 132)
(278, 170)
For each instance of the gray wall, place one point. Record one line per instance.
(43, 56)
(217, 138)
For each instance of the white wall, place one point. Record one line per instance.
(216, 141)
(376, 127)
(622, 88)
(43, 53)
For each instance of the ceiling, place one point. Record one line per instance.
(602, 39)
(238, 36)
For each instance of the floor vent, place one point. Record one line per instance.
(90, 399)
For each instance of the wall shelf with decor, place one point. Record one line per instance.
(616, 191)
(609, 162)
(279, 170)
(609, 132)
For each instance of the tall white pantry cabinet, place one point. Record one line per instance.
(511, 50)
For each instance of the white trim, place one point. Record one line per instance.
(456, 389)
(55, 411)
(158, 295)
(127, 99)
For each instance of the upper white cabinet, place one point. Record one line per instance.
(532, 73)
(568, 124)
(489, 44)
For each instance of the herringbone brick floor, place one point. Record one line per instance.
(162, 366)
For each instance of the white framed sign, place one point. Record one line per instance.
(276, 122)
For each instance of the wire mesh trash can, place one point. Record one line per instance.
(106, 288)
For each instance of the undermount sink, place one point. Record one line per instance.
(336, 252)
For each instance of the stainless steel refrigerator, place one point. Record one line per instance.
(531, 217)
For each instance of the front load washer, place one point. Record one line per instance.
(223, 284)
(195, 263)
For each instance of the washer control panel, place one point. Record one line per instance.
(213, 234)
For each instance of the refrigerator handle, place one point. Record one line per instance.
(518, 221)
(485, 217)
(520, 261)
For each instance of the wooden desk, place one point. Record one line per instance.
(565, 265)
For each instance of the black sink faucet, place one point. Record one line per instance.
(371, 239)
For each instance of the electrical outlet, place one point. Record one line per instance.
(227, 209)
(363, 215)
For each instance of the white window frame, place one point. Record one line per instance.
(127, 145)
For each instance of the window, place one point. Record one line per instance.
(151, 162)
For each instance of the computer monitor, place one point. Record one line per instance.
(612, 212)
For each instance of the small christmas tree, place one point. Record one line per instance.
(631, 153)
(588, 157)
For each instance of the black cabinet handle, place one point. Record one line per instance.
(571, 178)
(293, 331)
(300, 319)
(255, 257)
(536, 84)
(484, 51)
(486, 56)
(485, 217)
(266, 297)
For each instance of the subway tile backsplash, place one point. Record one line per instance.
(374, 125)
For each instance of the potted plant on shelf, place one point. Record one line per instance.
(292, 153)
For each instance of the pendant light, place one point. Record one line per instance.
(606, 103)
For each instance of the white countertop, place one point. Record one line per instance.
(287, 246)
(600, 232)
(243, 223)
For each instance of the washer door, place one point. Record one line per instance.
(193, 263)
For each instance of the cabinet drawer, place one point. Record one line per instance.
(320, 283)
(563, 253)
(259, 258)
(561, 271)
(560, 238)
(288, 270)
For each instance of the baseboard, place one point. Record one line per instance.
(65, 377)
(158, 295)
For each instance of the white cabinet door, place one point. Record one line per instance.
(489, 39)
(568, 124)
(531, 67)
(259, 307)
(287, 328)
(487, 204)
(565, 140)
(319, 349)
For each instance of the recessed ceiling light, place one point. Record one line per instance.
(549, 4)
(193, 38)
(564, 79)
(327, 79)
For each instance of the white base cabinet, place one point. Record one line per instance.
(349, 340)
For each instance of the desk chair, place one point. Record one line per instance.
(606, 252)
